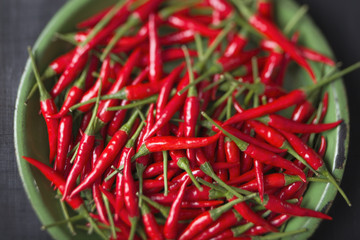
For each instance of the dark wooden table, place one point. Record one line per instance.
(21, 21)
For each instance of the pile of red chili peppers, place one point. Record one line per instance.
(163, 121)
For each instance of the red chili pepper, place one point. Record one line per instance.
(302, 112)
(103, 80)
(271, 31)
(166, 89)
(236, 46)
(313, 159)
(205, 219)
(48, 107)
(72, 70)
(221, 157)
(178, 180)
(227, 220)
(93, 20)
(75, 202)
(126, 44)
(139, 15)
(170, 228)
(155, 62)
(130, 198)
(247, 213)
(259, 178)
(185, 23)
(192, 194)
(265, 9)
(232, 154)
(63, 143)
(158, 144)
(316, 56)
(99, 203)
(261, 154)
(222, 6)
(273, 180)
(150, 224)
(280, 122)
(107, 156)
(181, 37)
(276, 205)
(103, 114)
(272, 63)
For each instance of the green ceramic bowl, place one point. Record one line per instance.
(31, 136)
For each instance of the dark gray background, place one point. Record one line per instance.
(21, 21)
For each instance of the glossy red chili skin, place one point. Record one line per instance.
(191, 114)
(63, 143)
(235, 46)
(287, 125)
(292, 98)
(99, 203)
(276, 221)
(229, 64)
(73, 97)
(83, 155)
(48, 108)
(59, 64)
(117, 120)
(222, 6)
(72, 70)
(130, 198)
(247, 213)
(274, 160)
(267, 133)
(170, 228)
(274, 180)
(92, 92)
(103, 114)
(151, 226)
(226, 221)
(265, 9)
(269, 30)
(248, 176)
(270, 67)
(93, 20)
(221, 157)
(105, 160)
(157, 144)
(181, 37)
(155, 61)
(232, 153)
(316, 56)
(56, 179)
(276, 205)
(302, 112)
(184, 23)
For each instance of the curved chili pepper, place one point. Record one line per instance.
(170, 228)
(192, 194)
(93, 20)
(48, 107)
(205, 219)
(221, 157)
(185, 23)
(265, 9)
(313, 159)
(316, 56)
(280, 122)
(166, 89)
(126, 44)
(72, 70)
(155, 62)
(137, 16)
(158, 144)
(107, 156)
(222, 6)
(103, 80)
(227, 220)
(103, 114)
(271, 64)
(302, 112)
(276, 205)
(181, 37)
(261, 154)
(150, 224)
(274, 180)
(236, 45)
(130, 198)
(247, 213)
(232, 154)
(63, 143)
(53, 176)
